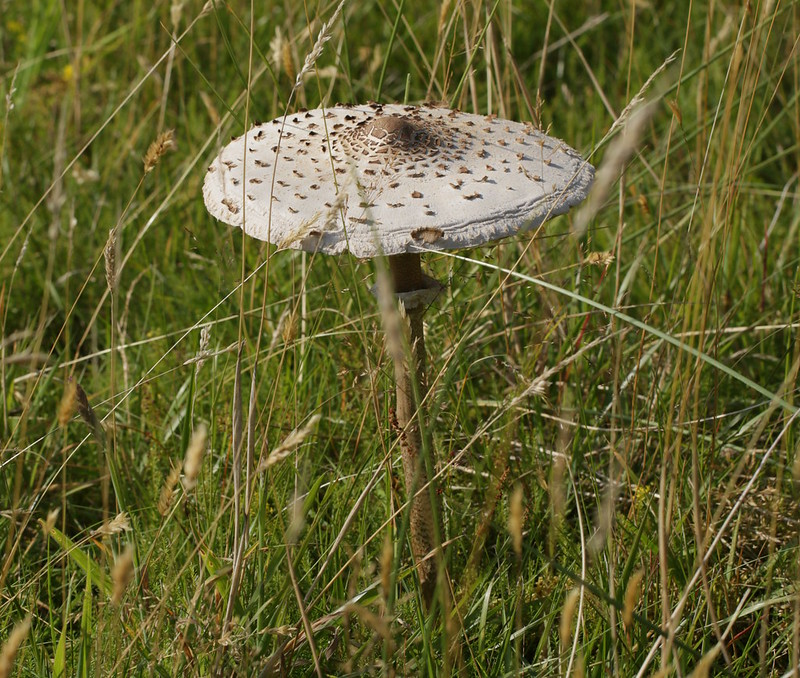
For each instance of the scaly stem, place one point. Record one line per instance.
(407, 276)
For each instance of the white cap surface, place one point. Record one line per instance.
(386, 179)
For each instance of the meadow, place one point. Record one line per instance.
(612, 415)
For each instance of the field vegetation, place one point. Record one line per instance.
(613, 405)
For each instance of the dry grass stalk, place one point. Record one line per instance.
(168, 491)
(290, 444)
(567, 614)
(632, 593)
(110, 256)
(120, 523)
(194, 457)
(158, 149)
(516, 518)
(68, 404)
(633, 120)
(614, 161)
(9, 652)
(639, 96)
(122, 574)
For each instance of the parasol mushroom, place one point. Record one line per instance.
(393, 181)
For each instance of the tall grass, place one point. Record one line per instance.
(198, 468)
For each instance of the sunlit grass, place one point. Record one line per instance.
(633, 386)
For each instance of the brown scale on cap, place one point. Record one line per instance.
(427, 234)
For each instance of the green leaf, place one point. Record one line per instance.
(92, 570)
(59, 660)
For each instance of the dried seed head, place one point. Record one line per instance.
(567, 614)
(122, 574)
(88, 415)
(168, 490)
(68, 404)
(11, 646)
(580, 667)
(164, 142)
(278, 332)
(175, 13)
(289, 329)
(50, 523)
(632, 593)
(290, 443)
(110, 256)
(205, 340)
(516, 518)
(194, 457)
(120, 523)
(601, 259)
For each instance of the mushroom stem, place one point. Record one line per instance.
(407, 277)
(406, 271)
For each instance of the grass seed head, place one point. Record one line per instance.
(158, 149)
(290, 443)
(88, 415)
(120, 523)
(50, 522)
(194, 457)
(632, 593)
(516, 518)
(567, 614)
(68, 404)
(110, 256)
(122, 574)
(10, 648)
(175, 14)
(168, 490)
(601, 259)
(289, 330)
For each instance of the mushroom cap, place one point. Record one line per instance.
(387, 179)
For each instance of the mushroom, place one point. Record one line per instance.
(394, 181)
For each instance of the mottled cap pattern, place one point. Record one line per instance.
(387, 179)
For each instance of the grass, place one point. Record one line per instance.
(612, 408)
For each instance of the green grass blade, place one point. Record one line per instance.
(82, 560)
